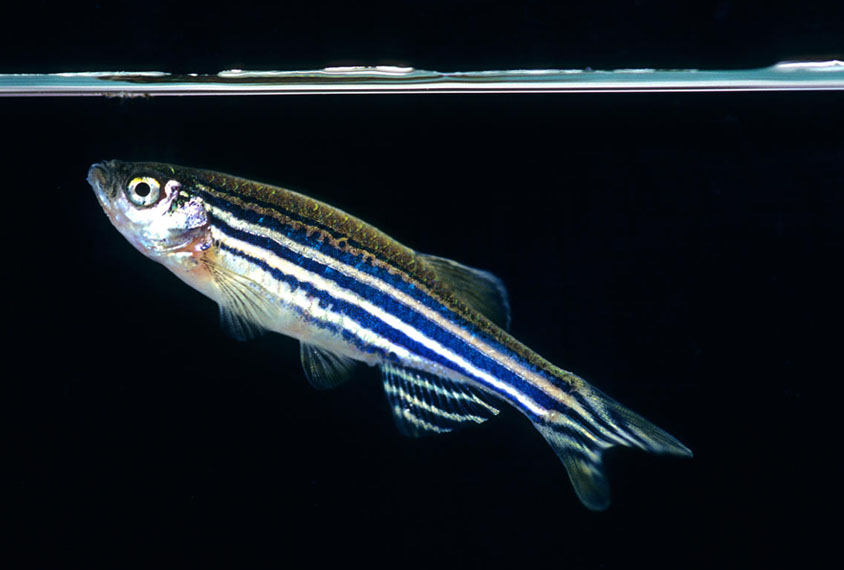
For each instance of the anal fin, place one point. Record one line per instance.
(426, 404)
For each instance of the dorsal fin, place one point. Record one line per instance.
(481, 290)
(323, 368)
(425, 404)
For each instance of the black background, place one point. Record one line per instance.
(681, 252)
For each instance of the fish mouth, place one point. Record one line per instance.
(99, 178)
(97, 174)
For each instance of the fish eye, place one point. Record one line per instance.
(143, 191)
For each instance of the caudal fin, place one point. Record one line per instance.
(592, 424)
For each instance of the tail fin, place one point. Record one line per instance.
(595, 423)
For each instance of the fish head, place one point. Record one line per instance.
(153, 207)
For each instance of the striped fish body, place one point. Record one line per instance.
(275, 260)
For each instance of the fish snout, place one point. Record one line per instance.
(97, 174)
(98, 177)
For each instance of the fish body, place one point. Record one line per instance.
(276, 260)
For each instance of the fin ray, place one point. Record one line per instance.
(324, 369)
(479, 289)
(425, 404)
(242, 306)
(580, 439)
(584, 464)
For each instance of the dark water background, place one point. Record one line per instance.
(681, 252)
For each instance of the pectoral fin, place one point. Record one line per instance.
(243, 306)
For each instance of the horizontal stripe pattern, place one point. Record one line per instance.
(394, 310)
(267, 244)
(347, 305)
(382, 258)
(272, 233)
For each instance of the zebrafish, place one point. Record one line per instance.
(276, 260)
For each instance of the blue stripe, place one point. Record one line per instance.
(352, 312)
(386, 303)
